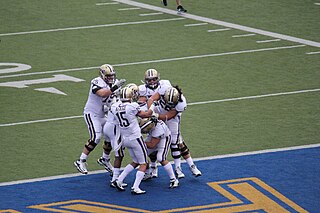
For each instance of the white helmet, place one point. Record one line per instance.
(107, 73)
(146, 125)
(135, 89)
(152, 78)
(171, 97)
(126, 94)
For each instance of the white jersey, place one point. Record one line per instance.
(95, 104)
(158, 131)
(173, 123)
(161, 131)
(147, 92)
(125, 114)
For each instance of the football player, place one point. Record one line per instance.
(152, 83)
(102, 91)
(125, 112)
(171, 104)
(158, 140)
(115, 138)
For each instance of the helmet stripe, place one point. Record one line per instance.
(171, 95)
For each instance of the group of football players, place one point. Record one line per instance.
(145, 119)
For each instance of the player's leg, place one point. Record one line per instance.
(185, 153)
(140, 152)
(94, 125)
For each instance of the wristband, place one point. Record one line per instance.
(114, 88)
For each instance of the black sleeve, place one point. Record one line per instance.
(95, 88)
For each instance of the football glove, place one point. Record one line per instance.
(117, 85)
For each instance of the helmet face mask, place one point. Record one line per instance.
(152, 78)
(107, 73)
(171, 97)
(126, 94)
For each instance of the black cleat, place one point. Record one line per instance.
(164, 2)
(180, 9)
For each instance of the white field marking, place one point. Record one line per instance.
(243, 35)
(107, 3)
(221, 23)
(255, 96)
(317, 3)
(189, 104)
(150, 14)
(218, 30)
(41, 121)
(267, 41)
(51, 90)
(311, 53)
(91, 27)
(159, 60)
(183, 161)
(192, 25)
(130, 8)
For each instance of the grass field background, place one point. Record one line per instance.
(49, 148)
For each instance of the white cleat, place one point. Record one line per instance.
(195, 171)
(106, 163)
(179, 172)
(81, 165)
(154, 172)
(137, 191)
(147, 176)
(174, 183)
(118, 185)
(112, 185)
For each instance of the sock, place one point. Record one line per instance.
(169, 170)
(177, 162)
(116, 173)
(125, 172)
(137, 181)
(189, 161)
(83, 156)
(106, 156)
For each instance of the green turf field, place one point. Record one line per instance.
(73, 38)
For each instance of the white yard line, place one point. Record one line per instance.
(189, 104)
(131, 8)
(158, 60)
(267, 41)
(107, 3)
(92, 27)
(243, 35)
(195, 159)
(150, 14)
(312, 53)
(218, 30)
(192, 25)
(255, 96)
(317, 4)
(222, 23)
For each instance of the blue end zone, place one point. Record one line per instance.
(292, 174)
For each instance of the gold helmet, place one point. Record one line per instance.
(107, 73)
(152, 78)
(146, 124)
(126, 94)
(135, 89)
(171, 97)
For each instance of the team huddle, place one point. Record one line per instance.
(145, 119)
